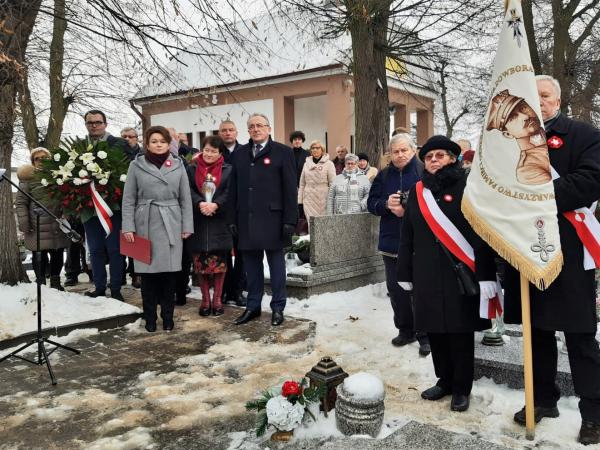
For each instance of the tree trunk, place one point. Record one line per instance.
(18, 18)
(530, 30)
(368, 25)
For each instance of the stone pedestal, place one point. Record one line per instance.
(358, 416)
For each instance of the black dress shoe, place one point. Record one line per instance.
(403, 339)
(589, 433)
(240, 300)
(424, 349)
(539, 413)
(204, 311)
(434, 393)
(277, 318)
(95, 293)
(71, 281)
(459, 402)
(168, 325)
(247, 316)
(150, 327)
(116, 295)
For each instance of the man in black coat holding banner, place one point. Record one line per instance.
(568, 304)
(266, 214)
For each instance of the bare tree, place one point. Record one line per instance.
(149, 32)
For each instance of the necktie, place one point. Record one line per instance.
(257, 149)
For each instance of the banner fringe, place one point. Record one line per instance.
(541, 279)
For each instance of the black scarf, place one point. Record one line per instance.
(446, 176)
(157, 159)
(316, 160)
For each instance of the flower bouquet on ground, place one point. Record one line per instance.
(85, 179)
(285, 408)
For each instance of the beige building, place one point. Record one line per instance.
(308, 90)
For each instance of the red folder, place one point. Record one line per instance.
(140, 248)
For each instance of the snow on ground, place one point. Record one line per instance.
(18, 314)
(354, 327)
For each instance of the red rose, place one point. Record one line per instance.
(290, 388)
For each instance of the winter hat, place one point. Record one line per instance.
(468, 155)
(351, 157)
(363, 156)
(439, 142)
(37, 150)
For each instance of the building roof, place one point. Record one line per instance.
(267, 47)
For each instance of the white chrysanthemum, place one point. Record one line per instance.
(76, 181)
(59, 181)
(284, 415)
(56, 157)
(103, 181)
(70, 165)
(83, 173)
(73, 155)
(102, 154)
(123, 178)
(44, 182)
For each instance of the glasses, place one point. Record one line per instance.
(437, 155)
(97, 123)
(315, 148)
(257, 126)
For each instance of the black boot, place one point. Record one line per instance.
(589, 433)
(55, 283)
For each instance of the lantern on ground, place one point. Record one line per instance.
(327, 373)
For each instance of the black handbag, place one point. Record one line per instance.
(465, 277)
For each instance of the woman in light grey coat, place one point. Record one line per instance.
(157, 206)
(349, 191)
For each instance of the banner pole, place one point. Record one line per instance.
(527, 360)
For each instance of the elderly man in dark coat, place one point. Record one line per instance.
(569, 302)
(264, 186)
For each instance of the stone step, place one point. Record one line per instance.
(504, 364)
(413, 435)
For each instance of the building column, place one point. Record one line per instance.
(278, 125)
(339, 115)
(402, 117)
(424, 125)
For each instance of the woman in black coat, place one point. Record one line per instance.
(448, 316)
(212, 240)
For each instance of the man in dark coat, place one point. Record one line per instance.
(400, 175)
(340, 160)
(235, 278)
(297, 138)
(568, 304)
(267, 212)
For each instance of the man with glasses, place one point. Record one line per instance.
(99, 244)
(131, 137)
(264, 186)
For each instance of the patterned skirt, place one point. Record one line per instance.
(207, 263)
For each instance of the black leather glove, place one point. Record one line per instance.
(233, 229)
(288, 230)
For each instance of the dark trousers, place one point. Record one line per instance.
(182, 278)
(584, 359)
(453, 357)
(99, 245)
(158, 289)
(75, 263)
(40, 259)
(253, 262)
(235, 278)
(401, 301)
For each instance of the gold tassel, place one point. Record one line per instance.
(540, 278)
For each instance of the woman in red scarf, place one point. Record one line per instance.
(209, 179)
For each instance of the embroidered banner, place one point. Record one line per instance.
(509, 198)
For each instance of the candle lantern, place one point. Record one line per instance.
(327, 373)
(209, 188)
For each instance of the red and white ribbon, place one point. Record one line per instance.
(443, 228)
(103, 211)
(587, 228)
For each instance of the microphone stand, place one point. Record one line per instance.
(40, 340)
